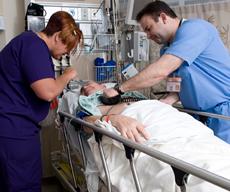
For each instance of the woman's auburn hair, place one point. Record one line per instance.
(69, 30)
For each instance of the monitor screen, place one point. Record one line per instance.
(133, 8)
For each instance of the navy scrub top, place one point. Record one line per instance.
(24, 60)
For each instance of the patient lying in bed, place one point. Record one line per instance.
(90, 103)
(165, 129)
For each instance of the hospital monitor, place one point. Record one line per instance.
(133, 8)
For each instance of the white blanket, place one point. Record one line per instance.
(172, 132)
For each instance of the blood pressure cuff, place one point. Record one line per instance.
(110, 100)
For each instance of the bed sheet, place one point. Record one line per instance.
(174, 133)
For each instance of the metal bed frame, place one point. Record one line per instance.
(180, 168)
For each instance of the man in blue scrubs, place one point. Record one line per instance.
(193, 52)
(28, 84)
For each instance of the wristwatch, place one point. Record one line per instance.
(117, 88)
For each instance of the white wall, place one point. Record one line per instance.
(2, 33)
(13, 12)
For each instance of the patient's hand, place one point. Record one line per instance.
(130, 128)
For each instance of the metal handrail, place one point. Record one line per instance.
(179, 164)
(202, 113)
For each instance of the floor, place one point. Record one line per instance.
(52, 185)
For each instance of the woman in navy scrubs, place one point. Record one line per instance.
(28, 84)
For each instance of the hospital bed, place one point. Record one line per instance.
(77, 157)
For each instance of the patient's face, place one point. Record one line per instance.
(91, 87)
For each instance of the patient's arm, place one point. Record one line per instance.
(127, 126)
(170, 99)
(90, 119)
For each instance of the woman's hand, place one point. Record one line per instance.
(71, 73)
(130, 128)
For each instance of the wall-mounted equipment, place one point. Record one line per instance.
(35, 23)
(35, 17)
(141, 46)
(2, 23)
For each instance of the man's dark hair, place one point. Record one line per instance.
(154, 9)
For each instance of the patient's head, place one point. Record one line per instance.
(91, 87)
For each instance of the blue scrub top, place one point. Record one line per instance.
(205, 71)
(24, 60)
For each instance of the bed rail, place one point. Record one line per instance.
(191, 111)
(202, 113)
(174, 162)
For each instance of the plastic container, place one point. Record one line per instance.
(105, 72)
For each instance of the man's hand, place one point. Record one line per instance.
(130, 128)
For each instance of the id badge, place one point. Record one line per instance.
(173, 84)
